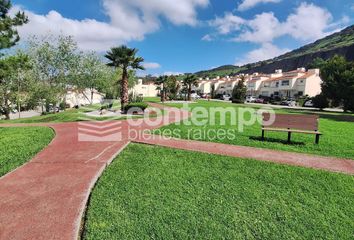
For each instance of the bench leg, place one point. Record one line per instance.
(289, 137)
(262, 135)
(317, 138)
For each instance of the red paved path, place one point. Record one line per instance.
(46, 198)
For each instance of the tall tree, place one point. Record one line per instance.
(172, 87)
(8, 33)
(240, 91)
(161, 83)
(338, 82)
(125, 58)
(189, 81)
(55, 63)
(14, 87)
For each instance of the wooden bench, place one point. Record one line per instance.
(291, 123)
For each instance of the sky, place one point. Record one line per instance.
(180, 36)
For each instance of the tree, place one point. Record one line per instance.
(161, 83)
(125, 58)
(8, 33)
(13, 83)
(172, 87)
(239, 92)
(91, 74)
(56, 65)
(338, 82)
(190, 81)
(320, 101)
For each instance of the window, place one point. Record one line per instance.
(285, 83)
(277, 84)
(300, 93)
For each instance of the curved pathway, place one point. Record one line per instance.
(46, 198)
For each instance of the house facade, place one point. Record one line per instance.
(291, 84)
(145, 90)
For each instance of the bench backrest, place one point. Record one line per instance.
(292, 121)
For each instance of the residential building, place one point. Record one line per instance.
(292, 84)
(145, 90)
(81, 98)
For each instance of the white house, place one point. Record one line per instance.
(145, 90)
(291, 84)
(74, 98)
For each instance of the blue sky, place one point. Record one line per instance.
(189, 35)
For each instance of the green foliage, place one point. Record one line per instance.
(151, 192)
(124, 58)
(136, 107)
(15, 85)
(8, 33)
(161, 83)
(338, 82)
(239, 92)
(188, 82)
(320, 101)
(133, 98)
(19, 145)
(172, 87)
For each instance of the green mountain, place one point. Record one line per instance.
(341, 43)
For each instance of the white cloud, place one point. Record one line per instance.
(266, 51)
(129, 20)
(263, 28)
(169, 73)
(151, 65)
(207, 38)
(247, 4)
(228, 23)
(308, 22)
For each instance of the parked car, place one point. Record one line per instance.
(308, 103)
(226, 97)
(250, 99)
(195, 96)
(289, 102)
(263, 100)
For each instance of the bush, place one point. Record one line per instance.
(136, 107)
(133, 98)
(320, 101)
(239, 92)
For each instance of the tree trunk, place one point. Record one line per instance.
(162, 93)
(124, 97)
(91, 96)
(7, 110)
(189, 93)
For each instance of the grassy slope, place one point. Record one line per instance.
(18, 145)
(160, 193)
(337, 129)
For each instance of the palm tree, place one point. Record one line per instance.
(161, 81)
(125, 58)
(190, 81)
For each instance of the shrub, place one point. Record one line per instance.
(133, 98)
(239, 92)
(136, 107)
(320, 101)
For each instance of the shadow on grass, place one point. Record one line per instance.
(277, 140)
(340, 117)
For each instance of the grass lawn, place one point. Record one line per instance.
(70, 115)
(152, 192)
(337, 129)
(18, 145)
